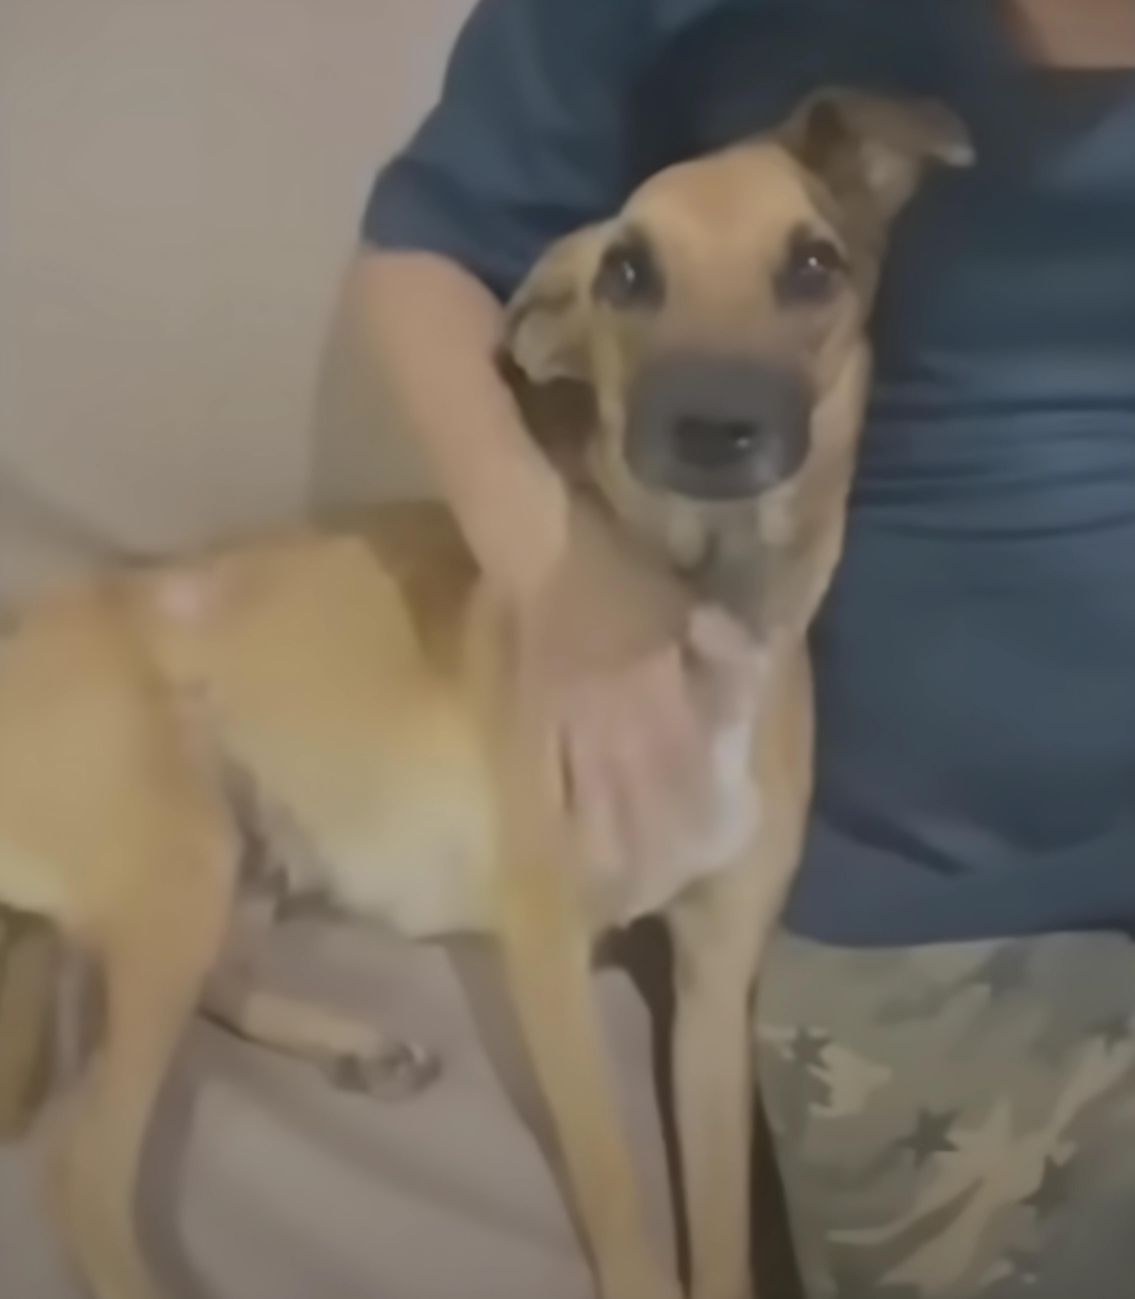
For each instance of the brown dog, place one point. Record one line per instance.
(352, 691)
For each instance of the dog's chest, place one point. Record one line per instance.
(713, 839)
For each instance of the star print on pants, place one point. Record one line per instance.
(931, 1135)
(1053, 1191)
(808, 1047)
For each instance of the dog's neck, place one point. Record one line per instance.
(737, 555)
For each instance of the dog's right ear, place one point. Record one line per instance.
(545, 330)
(871, 150)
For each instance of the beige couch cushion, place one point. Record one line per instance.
(181, 189)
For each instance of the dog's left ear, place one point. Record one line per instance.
(545, 329)
(872, 150)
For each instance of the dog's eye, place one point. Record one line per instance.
(629, 275)
(812, 272)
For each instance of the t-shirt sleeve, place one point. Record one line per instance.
(529, 138)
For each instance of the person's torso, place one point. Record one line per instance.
(976, 658)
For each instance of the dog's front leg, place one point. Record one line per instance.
(720, 930)
(548, 967)
(713, 969)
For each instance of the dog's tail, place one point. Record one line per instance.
(29, 971)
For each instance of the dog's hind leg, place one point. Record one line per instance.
(153, 958)
(29, 960)
(357, 1055)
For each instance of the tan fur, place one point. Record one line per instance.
(348, 691)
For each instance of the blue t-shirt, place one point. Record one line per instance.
(975, 660)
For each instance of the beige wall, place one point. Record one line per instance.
(181, 182)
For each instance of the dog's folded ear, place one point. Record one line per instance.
(871, 150)
(545, 328)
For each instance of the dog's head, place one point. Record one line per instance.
(718, 322)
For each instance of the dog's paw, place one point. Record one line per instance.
(395, 1071)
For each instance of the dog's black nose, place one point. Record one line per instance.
(708, 443)
(715, 428)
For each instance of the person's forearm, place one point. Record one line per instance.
(432, 328)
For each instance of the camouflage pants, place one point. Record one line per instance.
(955, 1121)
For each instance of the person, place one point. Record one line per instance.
(946, 1025)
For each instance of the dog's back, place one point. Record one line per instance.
(311, 684)
(323, 671)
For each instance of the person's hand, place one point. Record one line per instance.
(650, 704)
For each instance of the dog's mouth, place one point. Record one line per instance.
(714, 429)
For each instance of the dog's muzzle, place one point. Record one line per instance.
(717, 429)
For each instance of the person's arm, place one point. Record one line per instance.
(527, 142)
(508, 501)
